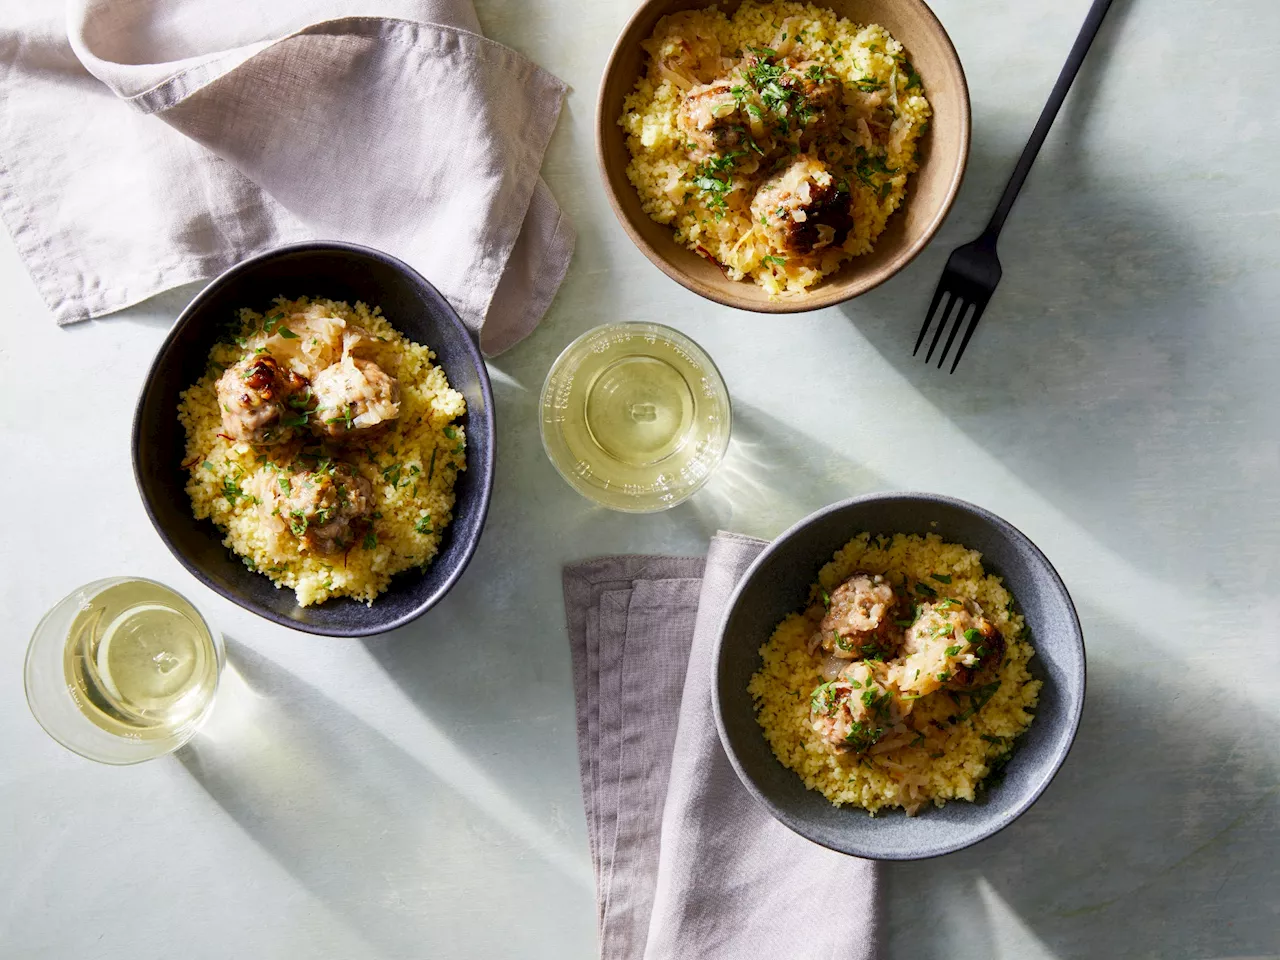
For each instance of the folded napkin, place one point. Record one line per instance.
(148, 143)
(687, 864)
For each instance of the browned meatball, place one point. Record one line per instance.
(254, 397)
(815, 109)
(329, 507)
(949, 644)
(859, 621)
(988, 649)
(353, 397)
(713, 120)
(854, 711)
(802, 208)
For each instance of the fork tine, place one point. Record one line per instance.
(955, 328)
(942, 324)
(964, 342)
(928, 317)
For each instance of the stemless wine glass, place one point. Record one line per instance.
(123, 670)
(635, 416)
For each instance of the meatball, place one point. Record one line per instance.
(329, 508)
(818, 96)
(859, 621)
(854, 711)
(988, 650)
(713, 119)
(949, 644)
(353, 397)
(802, 209)
(254, 397)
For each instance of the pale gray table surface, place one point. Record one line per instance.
(417, 795)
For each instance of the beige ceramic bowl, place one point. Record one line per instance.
(944, 151)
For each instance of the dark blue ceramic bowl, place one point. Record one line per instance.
(339, 271)
(778, 584)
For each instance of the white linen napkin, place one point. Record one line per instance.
(688, 865)
(149, 143)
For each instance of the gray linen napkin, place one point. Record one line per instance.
(148, 143)
(687, 864)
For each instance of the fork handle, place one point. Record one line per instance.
(1069, 70)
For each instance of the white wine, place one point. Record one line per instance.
(635, 416)
(139, 660)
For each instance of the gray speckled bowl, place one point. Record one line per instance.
(343, 271)
(778, 583)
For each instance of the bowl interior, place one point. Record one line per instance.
(778, 584)
(944, 151)
(340, 272)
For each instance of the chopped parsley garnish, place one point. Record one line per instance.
(423, 525)
(301, 401)
(772, 259)
(714, 177)
(432, 468)
(346, 418)
(284, 485)
(451, 433)
(823, 699)
(940, 577)
(973, 636)
(861, 735)
(370, 540)
(287, 333)
(232, 491)
(904, 623)
(925, 590)
(269, 325)
(978, 699)
(208, 466)
(826, 598)
(868, 84)
(875, 703)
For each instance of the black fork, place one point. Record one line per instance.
(973, 270)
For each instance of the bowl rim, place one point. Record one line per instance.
(1043, 778)
(486, 474)
(822, 295)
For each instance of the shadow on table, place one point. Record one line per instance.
(501, 672)
(770, 478)
(773, 476)
(1156, 832)
(1106, 349)
(383, 842)
(1157, 839)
